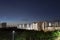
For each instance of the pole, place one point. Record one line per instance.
(13, 32)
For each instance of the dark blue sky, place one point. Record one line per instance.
(29, 10)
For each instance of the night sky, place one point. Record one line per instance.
(17, 11)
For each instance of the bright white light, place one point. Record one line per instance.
(49, 24)
(13, 31)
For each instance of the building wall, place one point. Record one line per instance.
(35, 26)
(56, 24)
(0, 25)
(45, 26)
(40, 24)
(59, 23)
(3, 25)
(25, 26)
(29, 27)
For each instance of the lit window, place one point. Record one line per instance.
(49, 24)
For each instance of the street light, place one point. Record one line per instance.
(13, 32)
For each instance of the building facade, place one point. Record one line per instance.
(45, 26)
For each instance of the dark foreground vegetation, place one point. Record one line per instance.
(6, 34)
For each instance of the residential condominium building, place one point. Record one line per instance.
(44, 25)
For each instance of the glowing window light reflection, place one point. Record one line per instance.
(49, 24)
